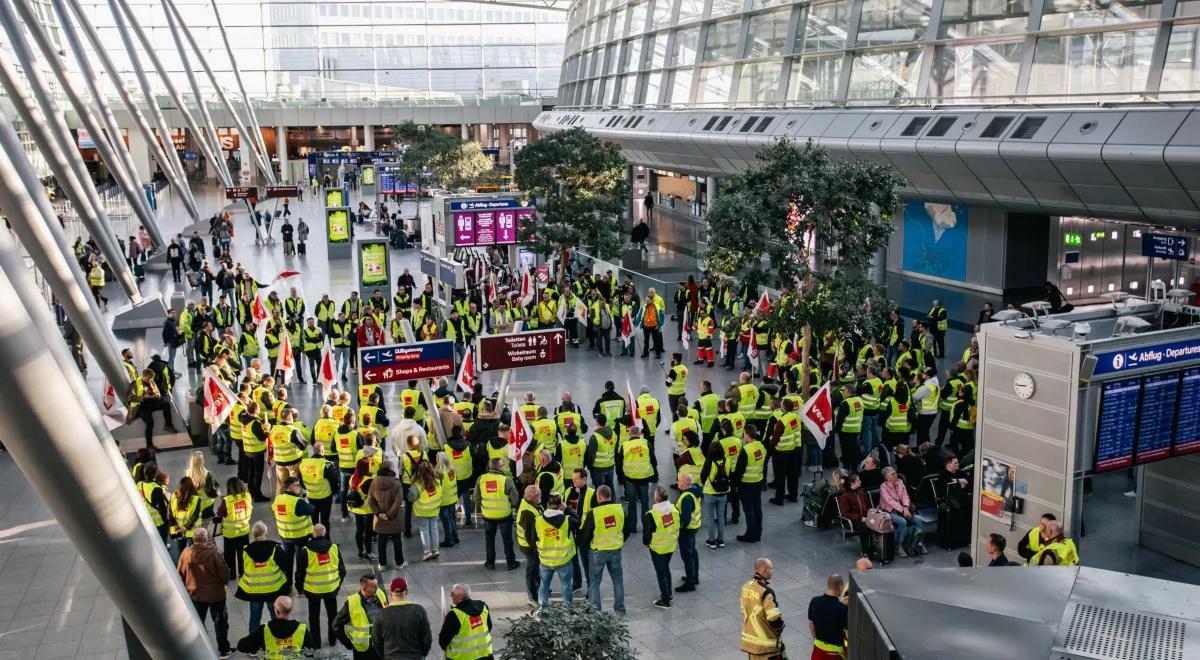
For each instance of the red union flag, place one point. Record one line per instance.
(527, 292)
(817, 414)
(764, 304)
(520, 437)
(258, 311)
(686, 336)
(285, 363)
(632, 405)
(218, 400)
(466, 373)
(327, 375)
(626, 328)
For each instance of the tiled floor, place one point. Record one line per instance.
(51, 605)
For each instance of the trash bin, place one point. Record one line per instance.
(633, 258)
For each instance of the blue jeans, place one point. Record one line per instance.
(901, 526)
(603, 342)
(341, 359)
(691, 559)
(565, 575)
(662, 571)
(449, 524)
(610, 559)
(714, 514)
(872, 433)
(635, 495)
(603, 477)
(256, 610)
(428, 527)
(468, 504)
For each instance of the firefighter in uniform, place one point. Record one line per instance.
(762, 623)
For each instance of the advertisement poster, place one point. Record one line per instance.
(996, 496)
(935, 240)
(368, 175)
(372, 264)
(335, 197)
(337, 222)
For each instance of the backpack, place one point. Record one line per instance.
(720, 480)
(605, 319)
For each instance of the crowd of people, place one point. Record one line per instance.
(903, 441)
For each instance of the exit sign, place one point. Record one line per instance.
(1073, 239)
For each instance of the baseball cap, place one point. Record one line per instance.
(398, 584)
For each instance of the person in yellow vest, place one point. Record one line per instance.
(926, 397)
(425, 499)
(448, 478)
(649, 412)
(264, 577)
(600, 455)
(185, 513)
(690, 458)
(938, 321)
(602, 534)
(762, 623)
(1058, 551)
(496, 497)
(705, 327)
(848, 422)
(281, 637)
(466, 632)
(461, 456)
(652, 315)
(287, 446)
(293, 520)
(233, 512)
(785, 445)
(319, 575)
(321, 480)
(749, 475)
(660, 533)
(636, 467)
(1037, 538)
(962, 422)
(361, 609)
(554, 537)
(96, 280)
(677, 377)
(545, 431)
(255, 435)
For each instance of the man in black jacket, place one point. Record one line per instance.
(281, 628)
(474, 613)
(319, 553)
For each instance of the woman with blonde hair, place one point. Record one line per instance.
(206, 485)
(448, 480)
(425, 500)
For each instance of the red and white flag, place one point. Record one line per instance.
(581, 310)
(632, 404)
(466, 373)
(218, 400)
(562, 310)
(490, 291)
(817, 414)
(686, 337)
(626, 328)
(764, 304)
(286, 362)
(520, 437)
(527, 292)
(113, 406)
(327, 375)
(285, 275)
(752, 348)
(258, 311)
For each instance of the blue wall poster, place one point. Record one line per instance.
(935, 240)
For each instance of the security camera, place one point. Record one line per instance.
(1082, 329)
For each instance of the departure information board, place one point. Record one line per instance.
(1187, 422)
(1156, 417)
(1117, 423)
(1148, 418)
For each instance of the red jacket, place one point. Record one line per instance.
(370, 335)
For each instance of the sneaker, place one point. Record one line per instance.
(402, 565)
(711, 544)
(436, 554)
(490, 567)
(685, 587)
(446, 544)
(720, 544)
(426, 556)
(381, 567)
(810, 523)
(533, 604)
(664, 604)
(901, 553)
(513, 566)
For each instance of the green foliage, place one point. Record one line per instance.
(462, 166)
(568, 632)
(581, 192)
(832, 301)
(426, 147)
(763, 214)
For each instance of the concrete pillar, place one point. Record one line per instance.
(710, 192)
(354, 137)
(369, 137)
(139, 150)
(285, 175)
(246, 158)
(466, 134)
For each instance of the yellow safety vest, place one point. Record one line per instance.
(756, 458)
(312, 473)
(897, 421)
(290, 525)
(545, 435)
(260, 578)
(473, 640)
(647, 406)
(555, 545)
(789, 439)
(606, 452)
(429, 501)
(501, 453)
(697, 463)
(147, 488)
(930, 403)
(681, 425)
(238, 509)
(1064, 549)
(697, 518)
(183, 522)
(748, 402)
(678, 386)
(347, 449)
(665, 537)
(462, 463)
(449, 489)
(285, 451)
(321, 575)
(572, 455)
(521, 509)
(608, 521)
(635, 457)
(708, 410)
(853, 421)
(495, 502)
(359, 628)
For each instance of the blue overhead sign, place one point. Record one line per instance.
(487, 204)
(1144, 357)
(1163, 246)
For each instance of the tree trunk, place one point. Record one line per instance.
(805, 348)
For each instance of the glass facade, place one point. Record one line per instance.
(363, 51)
(730, 53)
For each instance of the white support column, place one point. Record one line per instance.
(710, 192)
(245, 159)
(369, 137)
(466, 134)
(281, 152)
(139, 150)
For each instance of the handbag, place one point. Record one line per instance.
(879, 521)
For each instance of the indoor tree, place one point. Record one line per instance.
(578, 183)
(808, 224)
(424, 147)
(462, 166)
